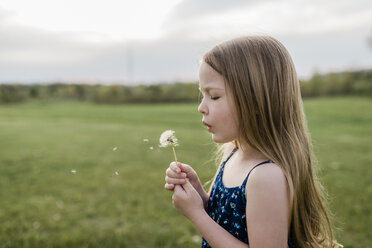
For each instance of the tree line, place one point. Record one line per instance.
(331, 84)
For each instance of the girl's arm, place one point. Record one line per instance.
(267, 210)
(188, 201)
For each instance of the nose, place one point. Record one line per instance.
(203, 108)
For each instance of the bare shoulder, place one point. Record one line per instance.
(268, 177)
(267, 207)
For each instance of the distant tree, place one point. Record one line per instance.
(12, 93)
(80, 91)
(34, 92)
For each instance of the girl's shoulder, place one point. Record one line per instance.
(267, 198)
(268, 178)
(267, 174)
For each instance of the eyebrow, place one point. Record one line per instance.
(207, 89)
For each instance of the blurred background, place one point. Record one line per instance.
(86, 88)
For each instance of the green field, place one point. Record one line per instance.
(116, 197)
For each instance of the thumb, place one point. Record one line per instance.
(187, 186)
(185, 167)
(177, 189)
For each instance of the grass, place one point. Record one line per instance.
(44, 204)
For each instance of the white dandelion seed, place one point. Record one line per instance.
(56, 217)
(115, 148)
(167, 138)
(60, 204)
(151, 148)
(36, 225)
(196, 239)
(116, 173)
(73, 171)
(145, 140)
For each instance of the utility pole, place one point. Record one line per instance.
(129, 62)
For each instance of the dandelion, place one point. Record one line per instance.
(167, 138)
(114, 149)
(151, 148)
(145, 140)
(116, 173)
(73, 171)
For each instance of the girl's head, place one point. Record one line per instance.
(260, 77)
(262, 102)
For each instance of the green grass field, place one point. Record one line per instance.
(44, 204)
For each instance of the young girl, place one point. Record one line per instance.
(265, 193)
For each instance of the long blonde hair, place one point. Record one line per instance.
(261, 76)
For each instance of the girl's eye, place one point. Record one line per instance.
(215, 97)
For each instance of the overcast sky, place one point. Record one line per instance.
(146, 41)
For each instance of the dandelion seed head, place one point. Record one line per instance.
(145, 140)
(114, 149)
(151, 148)
(167, 138)
(73, 171)
(196, 239)
(116, 173)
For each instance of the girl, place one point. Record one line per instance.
(265, 193)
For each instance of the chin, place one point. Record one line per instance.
(217, 139)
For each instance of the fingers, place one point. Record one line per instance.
(168, 186)
(187, 186)
(171, 180)
(171, 173)
(177, 190)
(175, 176)
(175, 167)
(185, 168)
(172, 177)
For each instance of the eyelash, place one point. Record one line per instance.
(214, 98)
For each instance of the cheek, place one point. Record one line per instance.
(227, 116)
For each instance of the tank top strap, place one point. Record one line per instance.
(228, 157)
(246, 179)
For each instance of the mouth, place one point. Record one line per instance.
(209, 127)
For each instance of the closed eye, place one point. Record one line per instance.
(215, 97)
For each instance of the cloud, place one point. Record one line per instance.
(320, 35)
(273, 17)
(30, 54)
(193, 9)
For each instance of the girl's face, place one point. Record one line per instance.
(217, 106)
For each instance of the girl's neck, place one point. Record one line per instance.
(247, 152)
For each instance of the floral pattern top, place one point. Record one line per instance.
(226, 206)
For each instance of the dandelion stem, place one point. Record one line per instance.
(174, 153)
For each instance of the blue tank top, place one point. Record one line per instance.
(226, 206)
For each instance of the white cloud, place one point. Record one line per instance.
(153, 41)
(275, 17)
(95, 19)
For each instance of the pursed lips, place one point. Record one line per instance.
(208, 126)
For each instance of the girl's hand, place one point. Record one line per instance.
(187, 200)
(176, 174)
